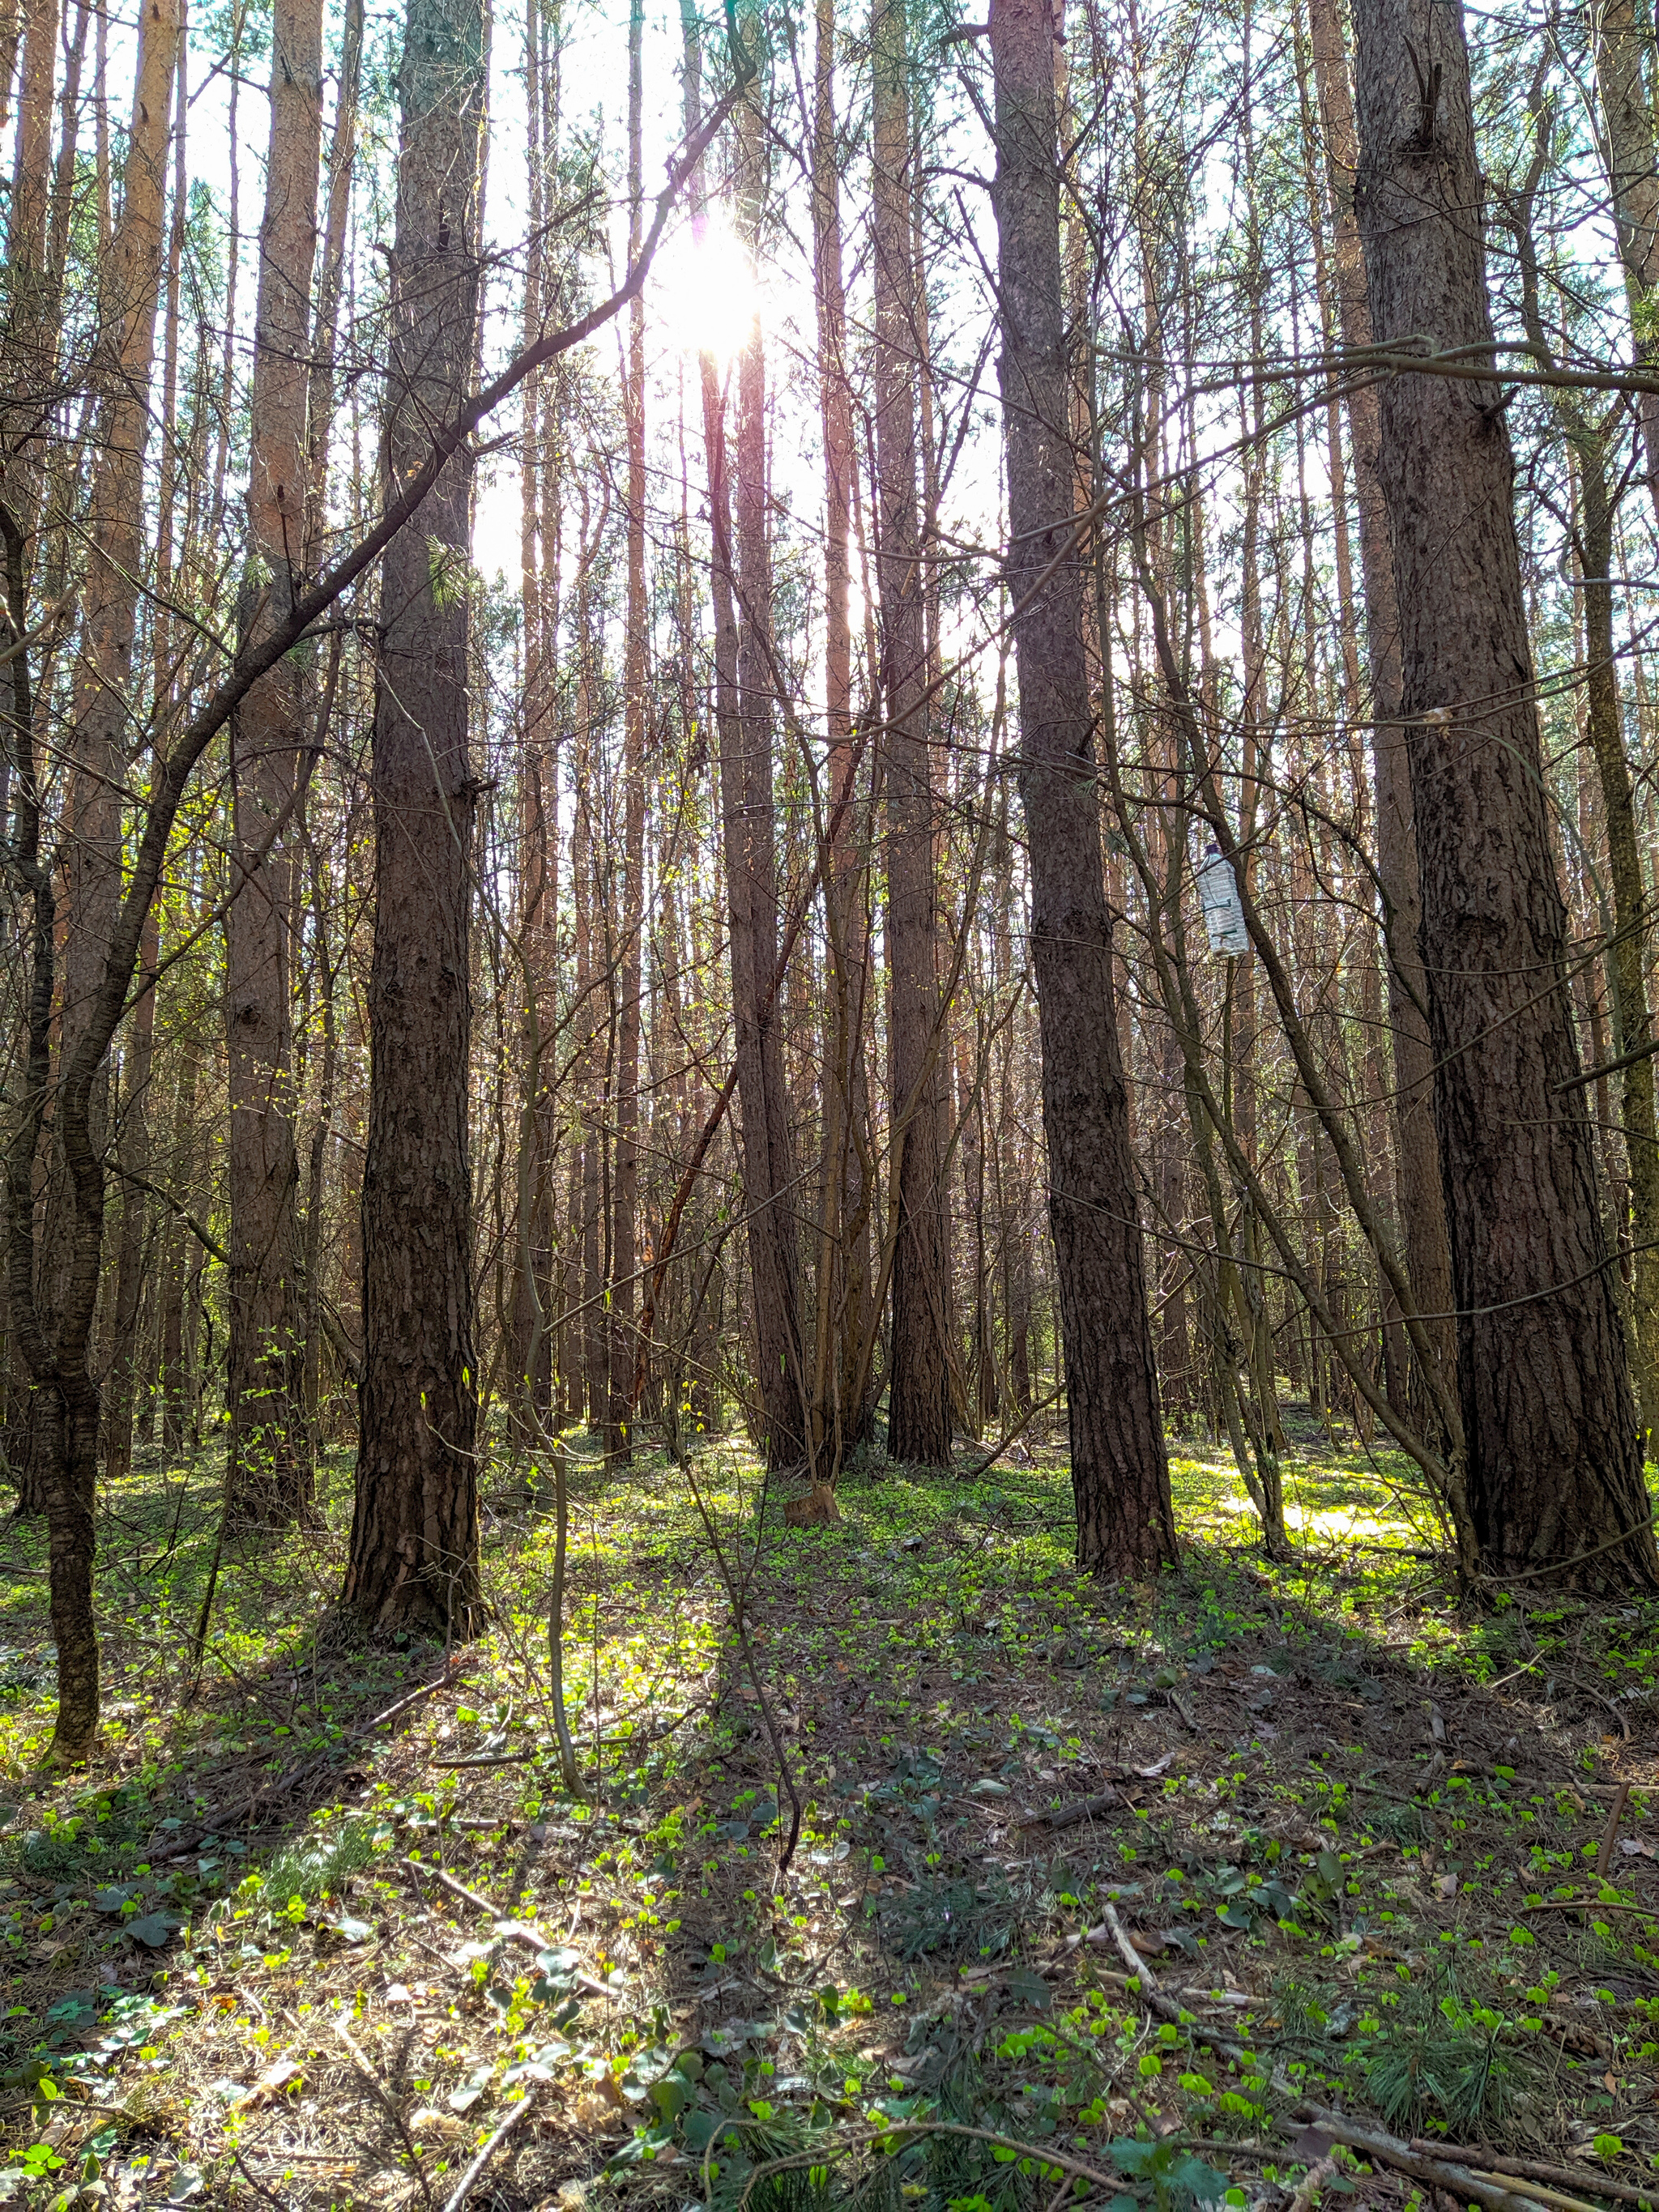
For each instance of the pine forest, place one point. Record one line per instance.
(828, 1159)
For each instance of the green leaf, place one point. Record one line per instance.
(152, 1930)
(1028, 1989)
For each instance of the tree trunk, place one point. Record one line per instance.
(622, 1303)
(57, 1339)
(121, 1383)
(1554, 1468)
(268, 1475)
(1623, 40)
(1119, 1472)
(1633, 1026)
(918, 1400)
(1421, 1199)
(839, 1413)
(744, 684)
(414, 1560)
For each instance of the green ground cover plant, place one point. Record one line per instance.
(321, 1926)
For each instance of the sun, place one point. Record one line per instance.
(708, 296)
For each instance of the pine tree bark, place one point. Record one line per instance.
(121, 1381)
(53, 1304)
(623, 1301)
(414, 1559)
(1623, 40)
(1421, 1197)
(1119, 1471)
(1555, 1471)
(1633, 1207)
(744, 685)
(918, 1370)
(839, 1413)
(268, 1477)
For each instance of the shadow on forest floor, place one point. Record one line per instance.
(1345, 1826)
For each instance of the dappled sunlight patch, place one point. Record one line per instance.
(1343, 1822)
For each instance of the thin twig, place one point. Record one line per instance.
(1610, 1833)
(388, 2105)
(508, 1931)
(520, 2113)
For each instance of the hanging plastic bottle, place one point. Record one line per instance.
(1224, 916)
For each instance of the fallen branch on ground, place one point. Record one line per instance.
(470, 2179)
(1462, 2181)
(1534, 2169)
(1067, 1816)
(508, 1931)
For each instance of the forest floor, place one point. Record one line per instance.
(1354, 1835)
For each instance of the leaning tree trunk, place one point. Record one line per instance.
(414, 1561)
(919, 1394)
(1554, 1467)
(268, 1476)
(1119, 1471)
(55, 1327)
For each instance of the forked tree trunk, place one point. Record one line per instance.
(268, 1476)
(414, 1561)
(919, 1391)
(1554, 1467)
(1119, 1472)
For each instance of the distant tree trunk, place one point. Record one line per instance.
(840, 1411)
(1622, 32)
(31, 326)
(342, 155)
(1555, 1471)
(317, 1164)
(174, 1380)
(744, 685)
(1119, 1472)
(1421, 1199)
(531, 1337)
(919, 1398)
(268, 1475)
(1633, 1025)
(414, 1559)
(623, 1300)
(120, 1387)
